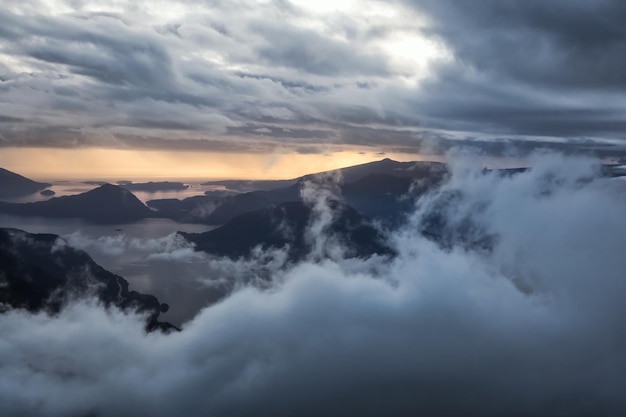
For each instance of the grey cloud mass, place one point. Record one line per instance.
(73, 73)
(530, 68)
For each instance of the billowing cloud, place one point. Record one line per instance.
(171, 247)
(532, 326)
(254, 76)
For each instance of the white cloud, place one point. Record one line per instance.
(171, 247)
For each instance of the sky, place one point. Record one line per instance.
(324, 78)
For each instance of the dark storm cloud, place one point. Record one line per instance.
(9, 119)
(563, 43)
(438, 143)
(187, 144)
(310, 52)
(279, 132)
(97, 46)
(531, 68)
(290, 84)
(507, 70)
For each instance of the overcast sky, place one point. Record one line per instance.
(254, 76)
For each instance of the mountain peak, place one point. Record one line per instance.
(15, 185)
(109, 188)
(112, 193)
(106, 204)
(38, 272)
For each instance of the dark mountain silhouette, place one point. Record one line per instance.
(415, 169)
(232, 206)
(388, 166)
(379, 196)
(153, 187)
(39, 272)
(196, 209)
(377, 189)
(243, 186)
(436, 224)
(172, 208)
(218, 208)
(14, 185)
(285, 224)
(105, 204)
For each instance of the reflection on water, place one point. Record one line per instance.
(146, 253)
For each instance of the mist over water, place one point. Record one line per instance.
(146, 253)
(519, 313)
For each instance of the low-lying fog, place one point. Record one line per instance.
(146, 253)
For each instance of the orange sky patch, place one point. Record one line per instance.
(116, 164)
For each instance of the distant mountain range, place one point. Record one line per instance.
(383, 191)
(14, 185)
(284, 226)
(376, 189)
(348, 174)
(150, 187)
(39, 272)
(105, 204)
(154, 187)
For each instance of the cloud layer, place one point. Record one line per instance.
(255, 76)
(533, 326)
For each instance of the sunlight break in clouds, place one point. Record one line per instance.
(148, 165)
(533, 326)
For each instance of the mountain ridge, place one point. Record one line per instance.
(374, 199)
(15, 185)
(284, 226)
(105, 204)
(348, 174)
(41, 272)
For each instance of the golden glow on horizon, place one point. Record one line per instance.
(117, 164)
